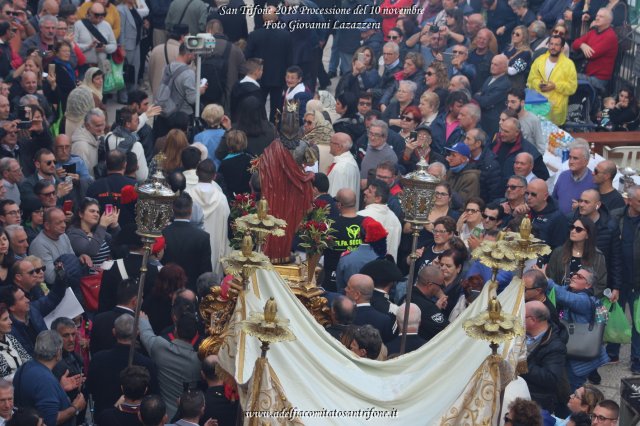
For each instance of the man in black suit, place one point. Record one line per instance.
(385, 275)
(360, 289)
(273, 46)
(102, 336)
(392, 64)
(187, 245)
(342, 313)
(217, 406)
(493, 95)
(430, 286)
(414, 341)
(103, 380)
(129, 267)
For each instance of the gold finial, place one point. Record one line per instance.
(500, 236)
(247, 245)
(263, 209)
(494, 309)
(525, 228)
(270, 310)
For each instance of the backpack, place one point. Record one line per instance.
(100, 169)
(215, 68)
(168, 92)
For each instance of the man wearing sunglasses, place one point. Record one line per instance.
(45, 164)
(430, 287)
(24, 276)
(94, 35)
(547, 221)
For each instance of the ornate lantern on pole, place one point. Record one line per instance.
(417, 198)
(154, 210)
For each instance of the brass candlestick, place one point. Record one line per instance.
(262, 224)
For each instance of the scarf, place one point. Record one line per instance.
(88, 82)
(66, 65)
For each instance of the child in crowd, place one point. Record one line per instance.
(604, 121)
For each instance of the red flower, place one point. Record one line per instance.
(128, 194)
(320, 204)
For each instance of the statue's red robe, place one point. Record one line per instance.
(288, 190)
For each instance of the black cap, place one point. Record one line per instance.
(382, 271)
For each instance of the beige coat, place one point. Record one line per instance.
(157, 62)
(85, 146)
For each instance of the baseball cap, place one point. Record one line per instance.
(461, 148)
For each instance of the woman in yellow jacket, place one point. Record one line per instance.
(560, 83)
(113, 16)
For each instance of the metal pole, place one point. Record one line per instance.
(198, 72)
(415, 227)
(148, 242)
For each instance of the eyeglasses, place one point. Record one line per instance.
(429, 73)
(48, 194)
(407, 118)
(394, 37)
(531, 194)
(440, 231)
(375, 135)
(472, 211)
(13, 213)
(575, 395)
(39, 211)
(442, 194)
(9, 13)
(100, 15)
(459, 52)
(507, 419)
(595, 172)
(531, 288)
(308, 122)
(578, 229)
(579, 276)
(384, 177)
(491, 218)
(600, 418)
(31, 272)
(442, 286)
(364, 103)
(50, 162)
(514, 187)
(560, 33)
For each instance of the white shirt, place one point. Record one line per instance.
(383, 214)
(344, 174)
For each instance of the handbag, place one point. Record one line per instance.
(90, 287)
(585, 339)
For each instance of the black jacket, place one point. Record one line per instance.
(274, 47)
(609, 242)
(111, 279)
(491, 187)
(550, 225)
(432, 320)
(102, 337)
(384, 323)
(188, 247)
(546, 369)
(387, 80)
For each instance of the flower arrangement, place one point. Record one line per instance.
(315, 230)
(242, 205)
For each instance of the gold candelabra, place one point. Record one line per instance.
(262, 224)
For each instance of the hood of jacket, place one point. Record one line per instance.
(210, 197)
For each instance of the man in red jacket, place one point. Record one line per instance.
(600, 47)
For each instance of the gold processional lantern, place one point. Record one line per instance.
(154, 210)
(417, 198)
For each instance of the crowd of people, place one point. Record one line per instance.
(447, 87)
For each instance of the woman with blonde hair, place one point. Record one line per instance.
(234, 167)
(519, 54)
(211, 137)
(176, 141)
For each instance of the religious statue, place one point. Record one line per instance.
(284, 183)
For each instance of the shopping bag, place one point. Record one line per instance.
(618, 329)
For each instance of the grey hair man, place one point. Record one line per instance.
(86, 138)
(6, 401)
(12, 176)
(523, 166)
(572, 182)
(344, 171)
(53, 405)
(414, 341)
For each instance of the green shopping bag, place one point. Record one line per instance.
(552, 296)
(618, 329)
(114, 78)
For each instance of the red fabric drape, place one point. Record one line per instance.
(288, 190)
